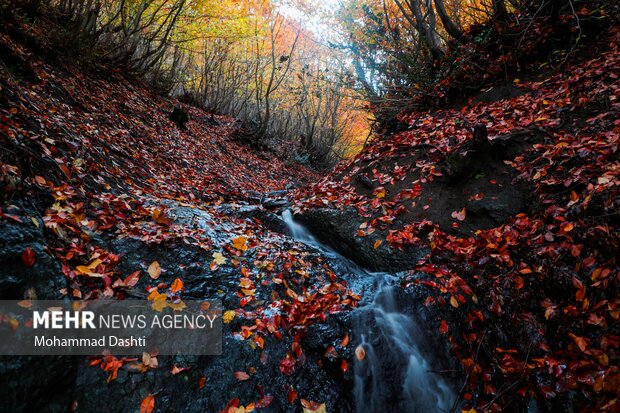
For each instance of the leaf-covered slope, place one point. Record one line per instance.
(101, 195)
(531, 302)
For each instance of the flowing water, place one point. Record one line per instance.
(393, 374)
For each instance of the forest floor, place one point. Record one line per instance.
(515, 239)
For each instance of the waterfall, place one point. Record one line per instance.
(393, 374)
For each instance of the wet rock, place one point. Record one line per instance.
(495, 93)
(274, 204)
(268, 219)
(319, 336)
(44, 278)
(36, 384)
(366, 181)
(338, 229)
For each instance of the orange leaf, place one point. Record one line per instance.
(177, 285)
(344, 366)
(377, 243)
(148, 404)
(581, 342)
(567, 227)
(240, 243)
(241, 375)
(176, 370)
(345, 341)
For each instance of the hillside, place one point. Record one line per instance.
(505, 210)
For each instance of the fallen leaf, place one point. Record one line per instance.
(28, 257)
(228, 316)
(241, 375)
(360, 352)
(176, 370)
(154, 270)
(149, 361)
(240, 243)
(443, 327)
(177, 285)
(148, 404)
(218, 258)
(460, 215)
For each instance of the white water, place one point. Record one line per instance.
(394, 373)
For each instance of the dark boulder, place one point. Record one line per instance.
(179, 116)
(45, 278)
(338, 229)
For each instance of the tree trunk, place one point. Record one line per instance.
(451, 28)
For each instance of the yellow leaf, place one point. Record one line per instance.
(468, 411)
(218, 258)
(158, 299)
(240, 243)
(228, 316)
(320, 409)
(453, 302)
(154, 270)
(89, 269)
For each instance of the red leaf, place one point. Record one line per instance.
(28, 257)
(132, 279)
(344, 366)
(287, 366)
(443, 328)
(291, 396)
(581, 289)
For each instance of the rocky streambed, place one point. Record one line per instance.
(397, 369)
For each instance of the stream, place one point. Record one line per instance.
(394, 373)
